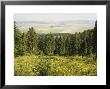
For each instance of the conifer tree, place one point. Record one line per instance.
(50, 45)
(17, 41)
(31, 40)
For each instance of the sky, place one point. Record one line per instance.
(56, 22)
(54, 17)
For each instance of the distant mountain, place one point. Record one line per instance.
(57, 27)
(55, 34)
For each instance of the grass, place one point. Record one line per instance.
(54, 66)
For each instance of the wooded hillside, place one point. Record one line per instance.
(63, 44)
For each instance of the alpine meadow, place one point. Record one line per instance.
(55, 44)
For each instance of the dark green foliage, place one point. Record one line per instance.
(95, 38)
(62, 44)
(41, 45)
(23, 42)
(72, 49)
(17, 41)
(67, 47)
(77, 43)
(31, 40)
(49, 44)
(56, 51)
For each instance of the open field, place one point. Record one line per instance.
(54, 66)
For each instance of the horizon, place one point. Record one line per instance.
(61, 27)
(56, 22)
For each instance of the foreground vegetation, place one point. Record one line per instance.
(55, 66)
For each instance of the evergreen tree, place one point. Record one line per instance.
(23, 43)
(95, 38)
(67, 47)
(31, 40)
(41, 45)
(61, 46)
(17, 41)
(71, 45)
(77, 43)
(56, 51)
(49, 46)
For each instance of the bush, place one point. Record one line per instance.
(55, 66)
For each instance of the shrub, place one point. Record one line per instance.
(32, 65)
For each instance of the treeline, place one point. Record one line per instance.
(82, 43)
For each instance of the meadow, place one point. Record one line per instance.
(38, 65)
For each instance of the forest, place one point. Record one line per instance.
(55, 54)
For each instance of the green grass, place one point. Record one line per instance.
(54, 66)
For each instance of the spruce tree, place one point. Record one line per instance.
(31, 40)
(17, 41)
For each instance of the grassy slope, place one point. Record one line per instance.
(54, 66)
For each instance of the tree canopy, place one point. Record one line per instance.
(66, 44)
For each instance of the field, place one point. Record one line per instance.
(55, 66)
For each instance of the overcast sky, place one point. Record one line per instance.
(54, 17)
